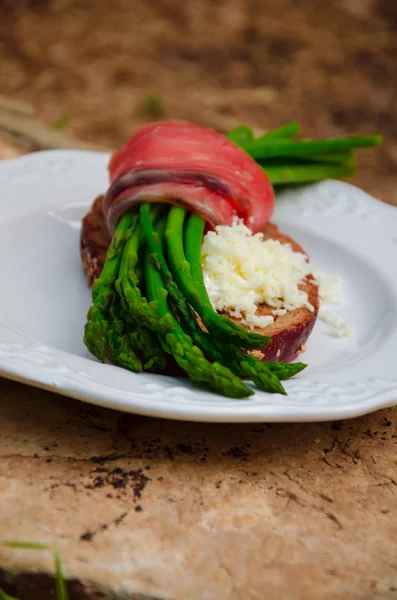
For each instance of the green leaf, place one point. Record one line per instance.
(62, 593)
(59, 579)
(153, 106)
(24, 545)
(61, 123)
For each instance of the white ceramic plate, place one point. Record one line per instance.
(44, 300)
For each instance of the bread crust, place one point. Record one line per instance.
(94, 241)
(289, 333)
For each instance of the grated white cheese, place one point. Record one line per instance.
(242, 270)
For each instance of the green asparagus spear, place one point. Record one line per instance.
(264, 148)
(146, 343)
(343, 157)
(242, 133)
(339, 158)
(97, 325)
(180, 345)
(193, 241)
(141, 310)
(288, 130)
(142, 340)
(301, 173)
(154, 244)
(284, 370)
(120, 350)
(180, 269)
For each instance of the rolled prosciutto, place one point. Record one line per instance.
(190, 166)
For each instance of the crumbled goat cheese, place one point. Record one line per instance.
(242, 270)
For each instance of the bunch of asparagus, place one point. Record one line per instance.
(288, 160)
(151, 289)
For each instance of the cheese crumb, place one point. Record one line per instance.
(339, 327)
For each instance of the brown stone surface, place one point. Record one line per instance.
(179, 510)
(144, 508)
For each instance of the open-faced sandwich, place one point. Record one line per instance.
(189, 274)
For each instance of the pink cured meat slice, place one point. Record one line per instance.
(192, 166)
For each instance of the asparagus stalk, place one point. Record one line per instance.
(341, 157)
(242, 133)
(120, 350)
(142, 340)
(97, 325)
(301, 173)
(345, 157)
(265, 148)
(284, 370)
(127, 284)
(288, 130)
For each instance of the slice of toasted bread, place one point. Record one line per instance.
(289, 333)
